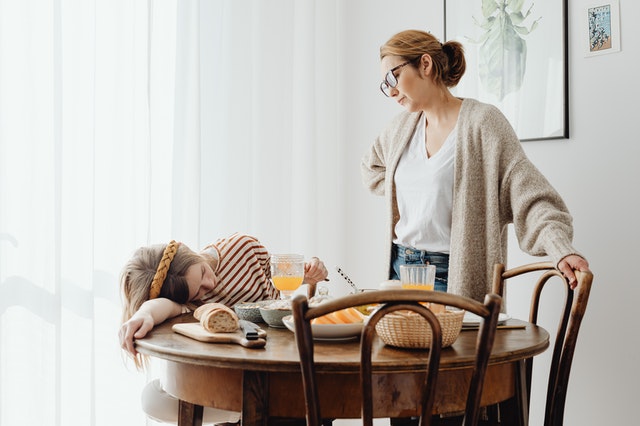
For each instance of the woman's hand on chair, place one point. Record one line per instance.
(572, 263)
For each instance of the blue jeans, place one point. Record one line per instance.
(401, 255)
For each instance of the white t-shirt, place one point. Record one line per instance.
(424, 191)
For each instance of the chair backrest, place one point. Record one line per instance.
(391, 301)
(572, 312)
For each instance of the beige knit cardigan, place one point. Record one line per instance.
(495, 184)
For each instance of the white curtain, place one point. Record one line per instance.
(125, 123)
(270, 91)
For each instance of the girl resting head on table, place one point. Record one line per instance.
(166, 280)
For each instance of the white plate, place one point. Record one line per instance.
(472, 320)
(329, 331)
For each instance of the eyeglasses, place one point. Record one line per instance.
(390, 80)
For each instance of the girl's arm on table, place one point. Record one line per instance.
(151, 313)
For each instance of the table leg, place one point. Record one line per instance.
(189, 414)
(255, 398)
(515, 411)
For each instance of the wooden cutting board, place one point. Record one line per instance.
(195, 331)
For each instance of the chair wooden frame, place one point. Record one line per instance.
(573, 311)
(390, 301)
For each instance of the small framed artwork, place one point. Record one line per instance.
(601, 32)
(516, 53)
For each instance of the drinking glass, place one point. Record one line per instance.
(287, 273)
(418, 277)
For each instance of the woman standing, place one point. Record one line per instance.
(454, 175)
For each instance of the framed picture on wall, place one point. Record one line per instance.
(517, 54)
(601, 33)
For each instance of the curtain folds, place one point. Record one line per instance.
(126, 123)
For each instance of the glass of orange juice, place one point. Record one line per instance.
(418, 277)
(287, 273)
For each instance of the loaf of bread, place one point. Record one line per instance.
(217, 318)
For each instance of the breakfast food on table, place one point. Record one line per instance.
(344, 316)
(282, 304)
(217, 318)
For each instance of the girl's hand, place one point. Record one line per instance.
(151, 312)
(314, 271)
(136, 328)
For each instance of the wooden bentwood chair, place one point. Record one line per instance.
(572, 312)
(391, 301)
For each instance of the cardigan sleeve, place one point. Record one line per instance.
(374, 168)
(378, 163)
(541, 219)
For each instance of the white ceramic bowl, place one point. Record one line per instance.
(250, 311)
(273, 316)
(390, 285)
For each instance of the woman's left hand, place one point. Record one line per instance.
(572, 263)
(315, 271)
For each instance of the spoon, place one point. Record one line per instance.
(347, 279)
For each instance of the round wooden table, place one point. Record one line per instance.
(266, 382)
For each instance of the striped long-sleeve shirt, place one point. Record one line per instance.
(243, 271)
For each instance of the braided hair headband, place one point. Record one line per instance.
(163, 268)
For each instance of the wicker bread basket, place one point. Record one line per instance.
(407, 329)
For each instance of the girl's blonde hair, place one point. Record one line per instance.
(138, 273)
(449, 64)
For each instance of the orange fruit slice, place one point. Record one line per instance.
(344, 316)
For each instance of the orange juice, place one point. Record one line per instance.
(417, 277)
(414, 286)
(287, 283)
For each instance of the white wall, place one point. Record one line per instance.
(595, 170)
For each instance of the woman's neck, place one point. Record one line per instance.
(443, 110)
